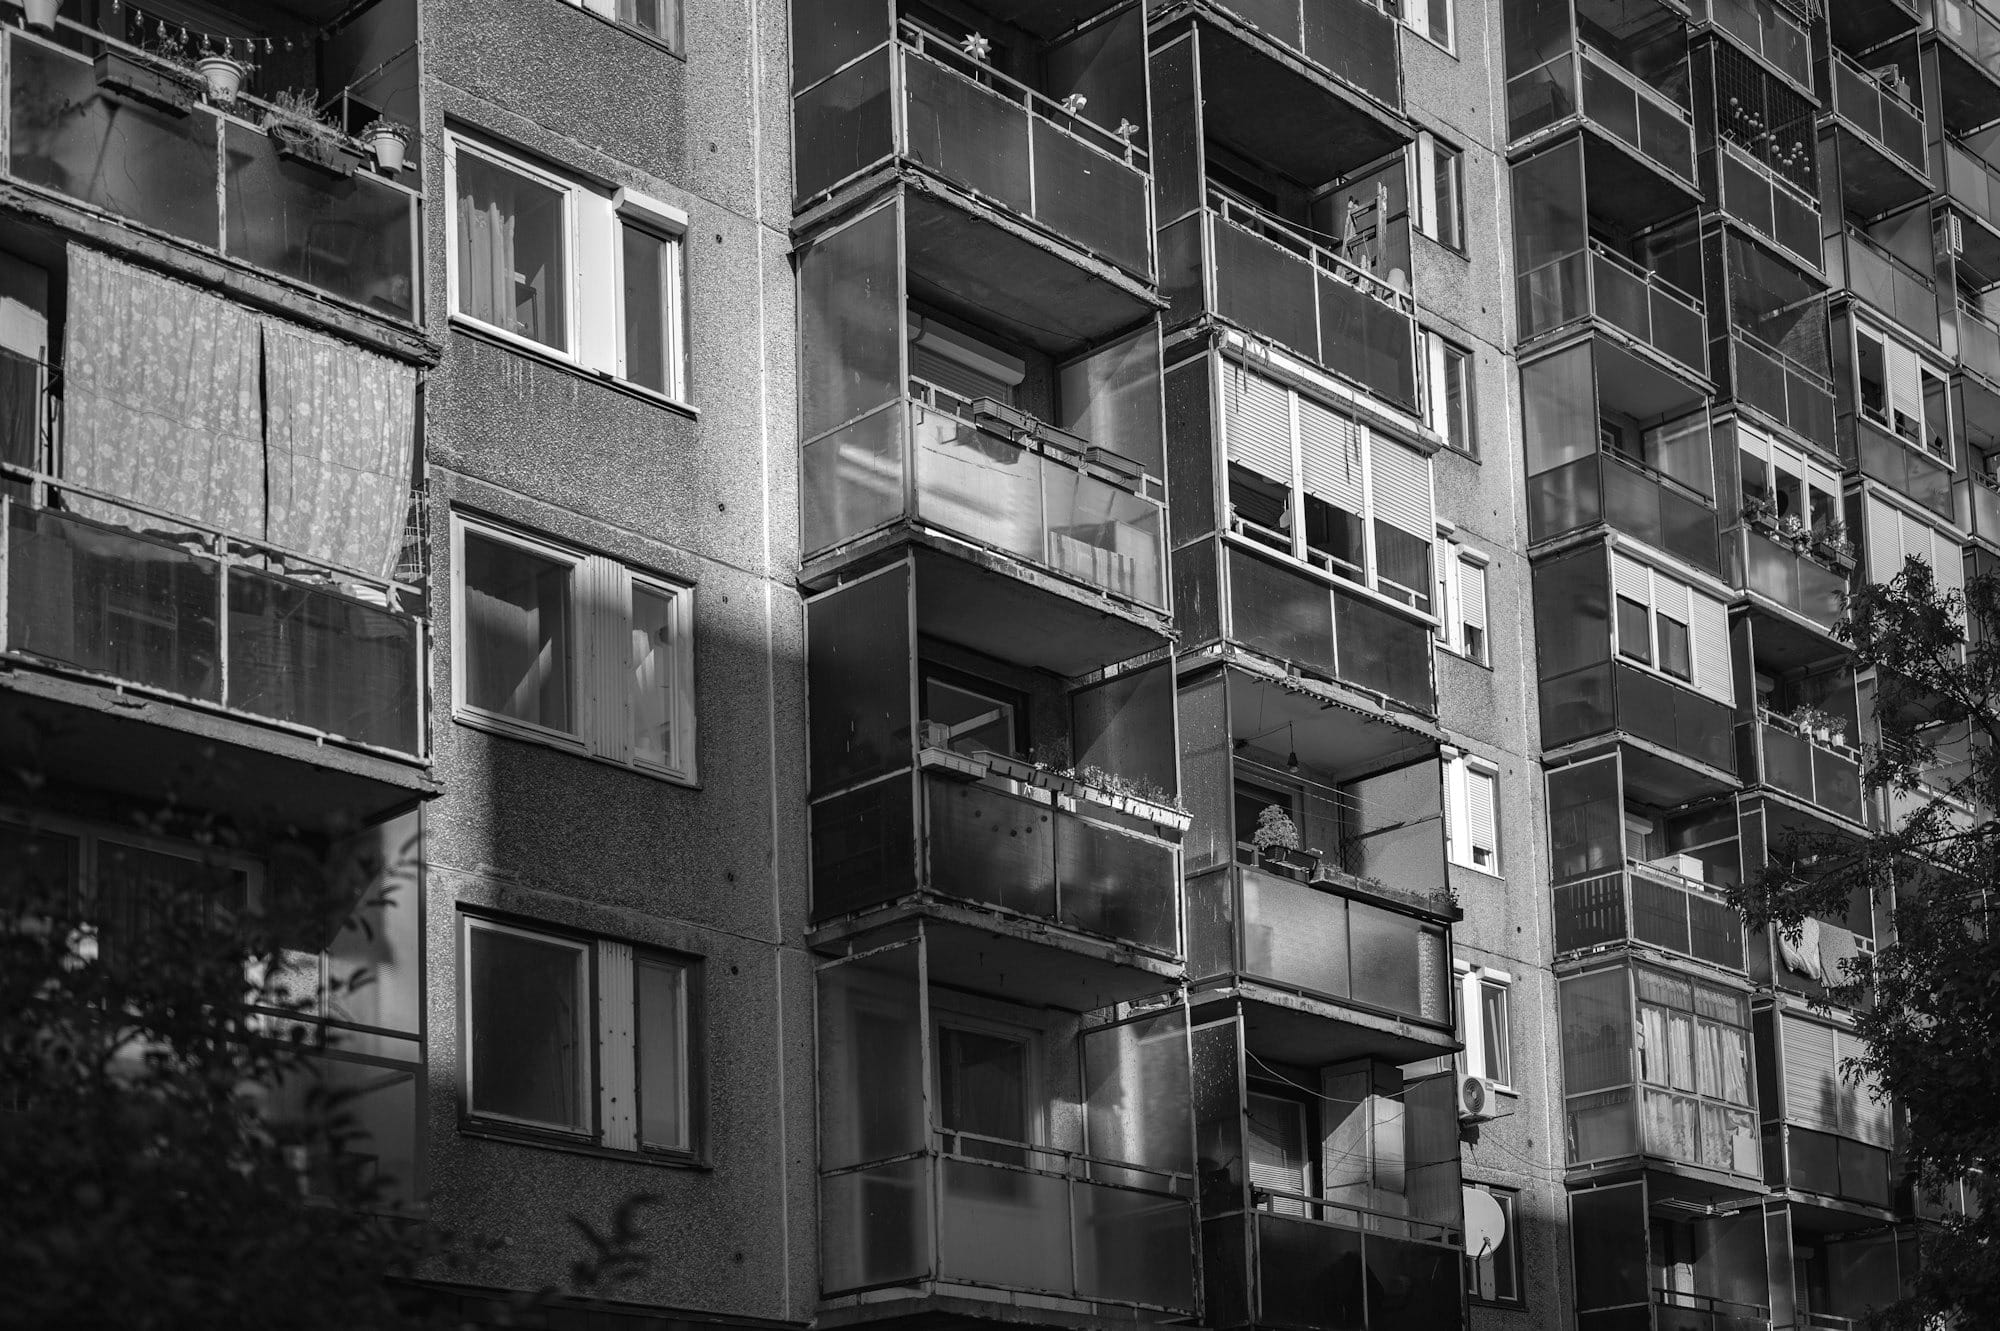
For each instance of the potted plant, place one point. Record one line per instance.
(163, 78)
(1276, 837)
(1761, 513)
(389, 140)
(41, 13)
(306, 133)
(1792, 529)
(224, 75)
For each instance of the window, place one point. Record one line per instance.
(1494, 1276)
(984, 1090)
(1448, 393)
(1902, 394)
(1430, 18)
(572, 649)
(1784, 483)
(658, 19)
(1483, 1018)
(968, 714)
(589, 1038)
(1694, 1063)
(1440, 194)
(1667, 626)
(1471, 798)
(1461, 598)
(591, 276)
(1279, 1159)
(1893, 536)
(1635, 632)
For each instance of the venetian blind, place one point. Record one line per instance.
(1260, 424)
(1402, 485)
(1329, 455)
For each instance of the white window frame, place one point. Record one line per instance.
(1473, 981)
(593, 270)
(599, 664)
(1459, 768)
(1711, 679)
(1477, 1280)
(1437, 410)
(1453, 559)
(1424, 194)
(1903, 371)
(1416, 17)
(607, 1034)
(675, 42)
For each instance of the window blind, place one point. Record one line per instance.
(1329, 456)
(955, 377)
(1472, 594)
(1260, 424)
(1710, 630)
(1402, 485)
(1812, 1076)
(1481, 827)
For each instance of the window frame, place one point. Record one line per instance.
(590, 629)
(1453, 558)
(1416, 17)
(1428, 207)
(1508, 1200)
(598, 1026)
(673, 314)
(1460, 768)
(455, 143)
(1440, 352)
(1474, 982)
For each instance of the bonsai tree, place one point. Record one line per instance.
(1276, 833)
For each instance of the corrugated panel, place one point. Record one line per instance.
(1472, 593)
(1402, 486)
(603, 608)
(1260, 423)
(1329, 455)
(953, 377)
(1885, 541)
(1631, 579)
(1947, 562)
(1812, 1076)
(1710, 632)
(1481, 827)
(617, 1065)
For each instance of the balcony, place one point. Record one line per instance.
(1824, 1134)
(1645, 904)
(1679, 1310)
(1968, 61)
(1300, 619)
(1612, 697)
(1352, 40)
(1862, 25)
(1002, 143)
(935, 461)
(1886, 456)
(1779, 753)
(1641, 147)
(1884, 281)
(1628, 497)
(1974, 189)
(1244, 267)
(933, 1196)
(1791, 392)
(1789, 577)
(1597, 283)
(1879, 131)
(210, 178)
(1765, 28)
(1305, 1265)
(1979, 507)
(1760, 199)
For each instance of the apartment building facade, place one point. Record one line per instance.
(994, 646)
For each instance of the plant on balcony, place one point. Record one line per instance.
(41, 14)
(389, 140)
(162, 78)
(1277, 840)
(1793, 531)
(1816, 723)
(223, 74)
(1141, 799)
(1829, 542)
(1761, 513)
(303, 130)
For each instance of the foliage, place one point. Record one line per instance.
(300, 110)
(1275, 831)
(1932, 1035)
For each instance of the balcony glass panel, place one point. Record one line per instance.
(1794, 581)
(1329, 946)
(843, 125)
(1644, 120)
(1970, 30)
(1677, 1310)
(1884, 281)
(1894, 124)
(1762, 26)
(1979, 507)
(1911, 472)
(1978, 344)
(1318, 1275)
(1790, 392)
(312, 657)
(1295, 617)
(1652, 906)
(1605, 697)
(1755, 197)
(1350, 39)
(1972, 184)
(1649, 308)
(1815, 772)
(884, 1226)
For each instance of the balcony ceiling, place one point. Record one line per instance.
(1633, 22)
(1282, 1027)
(1783, 643)
(1628, 192)
(1667, 783)
(1859, 25)
(1968, 96)
(1640, 386)
(1044, 18)
(991, 611)
(1305, 127)
(1339, 742)
(1872, 183)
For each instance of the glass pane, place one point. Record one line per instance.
(1493, 1023)
(652, 679)
(661, 997)
(1596, 1030)
(1005, 1227)
(517, 633)
(527, 1006)
(646, 293)
(1134, 1246)
(874, 1226)
(982, 1087)
(871, 1061)
(851, 336)
(310, 655)
(989, 847)
(511, 261)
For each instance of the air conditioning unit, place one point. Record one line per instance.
(1954, 235)
(1477, 1100)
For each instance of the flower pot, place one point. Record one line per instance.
(41, 13)
(224, 77)
(390, 142)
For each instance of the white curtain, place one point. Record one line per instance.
(160, 397)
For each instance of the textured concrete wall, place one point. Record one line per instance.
(716, 869)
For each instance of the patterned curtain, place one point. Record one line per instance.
(341, 433)
(486, 260)
(161, 396)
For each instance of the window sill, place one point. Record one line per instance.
(562, 744)
(1495, 874)
(552, 1141)
(556, 360)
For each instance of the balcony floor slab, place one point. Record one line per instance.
(1311, 1032)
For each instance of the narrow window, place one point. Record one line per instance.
(1635, 636)
(652, 309)
(1495, 1047)
(655, 670)
(517, 637)
(970, 718)
(660, 1002)
(658, 19)
(1472, 610)
(1674, 655)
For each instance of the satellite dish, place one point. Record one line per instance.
(1485, 1223)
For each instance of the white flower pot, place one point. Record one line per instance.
(41, 13)
(390, 143)
(224, 76)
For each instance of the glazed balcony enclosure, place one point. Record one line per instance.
(1894, 423)
(1964, 41)
(1348, 1216)
(1338, 946)
(1038, 462)
(1862, 25)
(1632, 654)
(1875, 118)
(1657, 1075)
(1613, 439)
(1642, 1264)
(1899, 287)
(1757, 134)
(1616, 888)
(1306, 519)
(1817, 963)
(1346, 49)
(1843, 1267)
(1620, 72)
(1972, 188)
(1769, 29)
(957, 771)
(971, 1148)
(1825, 1136)
(1018, 123)
(1771, 349)
(118, 129)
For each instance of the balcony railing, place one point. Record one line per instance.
(1910, 470)
(1624, 106)
(1792, 579)
(1350, 39)
(1972, 32)
(1791, 392)
(991, 1214)
(147, 601)
(1603, 283)
(1893, 122)
(1613, 696)
(1767, 28)
(1978, 344)
(1648, 905)
(1884, 281)
(1314, 939)
(1828, 1165)
(1972, 183)
(1678, 1310)
(978, 129)
(1979, 507)
(933, 457)
(209, 178)
(1785, 757)
(1629, 496)
(1770, 205)
(1274, 280)
(1317, 1266)
(1290, 615)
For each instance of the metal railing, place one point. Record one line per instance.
(1898, 290)
(1883, 114)
(1793, 579)
(1707, 1312)
(1646, 904)
(1791, 392)
(1637, 114)
(1648, 307)
(1799, 763)
(1767, 29)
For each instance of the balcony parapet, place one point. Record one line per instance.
(1888, 284)
(1890, 121)
(1597, 282)
(1643, 903)
(1766, 29)
(1762, 199)
(1786, 756)
(1314, 1264)
(1350, 40)
(1609, 98)
(1807, 584)
(1968, 37)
